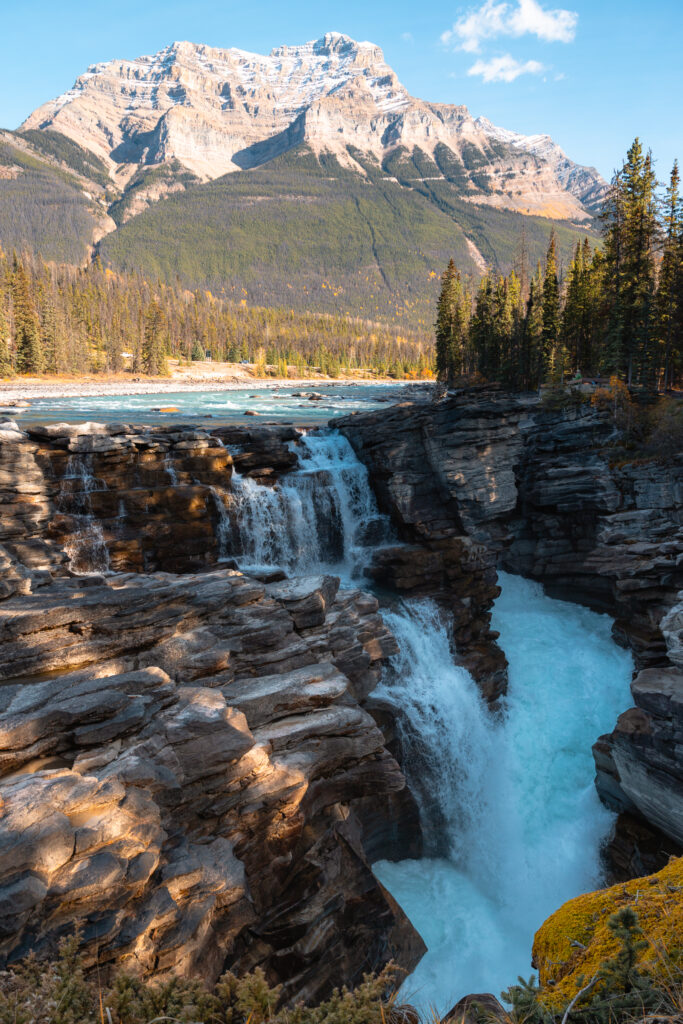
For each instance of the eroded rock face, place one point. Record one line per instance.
(445, 475)
(155, 497)
(492, 475)
(181, 755)
(215, 111)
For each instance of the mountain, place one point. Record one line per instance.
(220, 111)
(306, 232)
(308, 178)
(48, 200)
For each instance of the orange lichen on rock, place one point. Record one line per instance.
(574, 942)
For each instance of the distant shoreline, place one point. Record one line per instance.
(31, 388)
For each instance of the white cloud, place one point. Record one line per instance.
(522, 17)
(407, 37)
(505, 69)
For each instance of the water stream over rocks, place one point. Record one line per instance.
(86, 548)
(512, 822)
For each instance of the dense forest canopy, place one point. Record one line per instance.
(60, 319)
(617, 311)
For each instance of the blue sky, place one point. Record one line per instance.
(591, 73)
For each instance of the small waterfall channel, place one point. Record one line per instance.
(512, 822)
(85, 546)
(323, 516)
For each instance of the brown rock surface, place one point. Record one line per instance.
(181, 755)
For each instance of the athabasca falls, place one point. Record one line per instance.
(511, 820)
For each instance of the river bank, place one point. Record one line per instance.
(222, 377)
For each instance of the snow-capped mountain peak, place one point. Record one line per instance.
(222, 110)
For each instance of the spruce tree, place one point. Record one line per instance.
(670, 290)
(451, 326)
(631, 232)
(154, 349)
(5, 356)
(532, 334)
(482, 330)
(27, 340)
(551, 314)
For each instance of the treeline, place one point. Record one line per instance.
(59, 319)
(617, 311)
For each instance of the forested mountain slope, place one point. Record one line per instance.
(308, 233)
(307, 178)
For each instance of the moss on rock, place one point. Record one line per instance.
(575, 941)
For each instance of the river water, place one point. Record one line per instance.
(283, 403)
(512, 822)
(515, 792)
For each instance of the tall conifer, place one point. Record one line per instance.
(27, 340)
(551, 312)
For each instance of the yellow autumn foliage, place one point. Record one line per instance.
(571, 945)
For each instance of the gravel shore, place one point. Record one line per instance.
(18, 390)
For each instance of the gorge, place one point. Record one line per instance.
(206, 737)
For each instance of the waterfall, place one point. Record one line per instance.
(170, 469)
(321, 516)
(223, 523)
(513, 795)
(86, 546)
(512, 822)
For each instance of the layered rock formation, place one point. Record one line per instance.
(181, 756)
(496, 477)
(127, 497)
(213, 111)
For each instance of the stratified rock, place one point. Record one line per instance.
(240, 109)
(482, 478)
(179, 761)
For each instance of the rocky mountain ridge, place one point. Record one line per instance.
(217, 111)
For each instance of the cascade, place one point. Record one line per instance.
(170, 469)
(85, 546)
(521, 823)
(222, 524)
(322, 516)
(512, 822)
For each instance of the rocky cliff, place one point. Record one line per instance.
(215, 111)
(491, 477)
(182, 755)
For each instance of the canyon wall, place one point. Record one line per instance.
(192, 768)
(182, 753)
(535, 492)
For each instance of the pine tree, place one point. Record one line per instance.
(631, 230)
(482, 330)
(551, 314)
(451, 326)
(5, 357)
(154, 351)
(27, 340)
(670, 290)
(532, 334)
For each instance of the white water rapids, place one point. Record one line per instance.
(514, 794)
(512, 822)
(324, 516)
(511, 819)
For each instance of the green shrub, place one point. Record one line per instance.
(59, 992)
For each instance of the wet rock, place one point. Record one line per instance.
(480, 1008)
